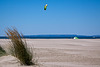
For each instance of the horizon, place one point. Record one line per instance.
(53, 34)
(80, 17)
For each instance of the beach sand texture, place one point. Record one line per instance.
(59, 53)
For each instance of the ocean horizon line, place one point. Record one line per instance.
(58, 36)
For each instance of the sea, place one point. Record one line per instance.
(57, 37)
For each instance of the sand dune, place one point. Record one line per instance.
(59, 53)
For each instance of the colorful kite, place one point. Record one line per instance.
(45, 7)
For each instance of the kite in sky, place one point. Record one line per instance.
(45, 7)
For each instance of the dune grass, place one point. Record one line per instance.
(2, 51)
(19, 48)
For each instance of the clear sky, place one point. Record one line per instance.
(80, 17)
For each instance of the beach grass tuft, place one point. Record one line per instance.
(19, 47)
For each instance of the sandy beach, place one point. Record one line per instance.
(58, 53)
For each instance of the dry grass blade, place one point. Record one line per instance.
(19, 47)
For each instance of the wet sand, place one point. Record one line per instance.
(59, 53)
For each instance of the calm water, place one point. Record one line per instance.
(57, 37)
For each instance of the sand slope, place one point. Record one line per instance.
(59, 53)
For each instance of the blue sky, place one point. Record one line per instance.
(80, 17)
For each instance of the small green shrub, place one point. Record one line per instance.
(2, 51)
